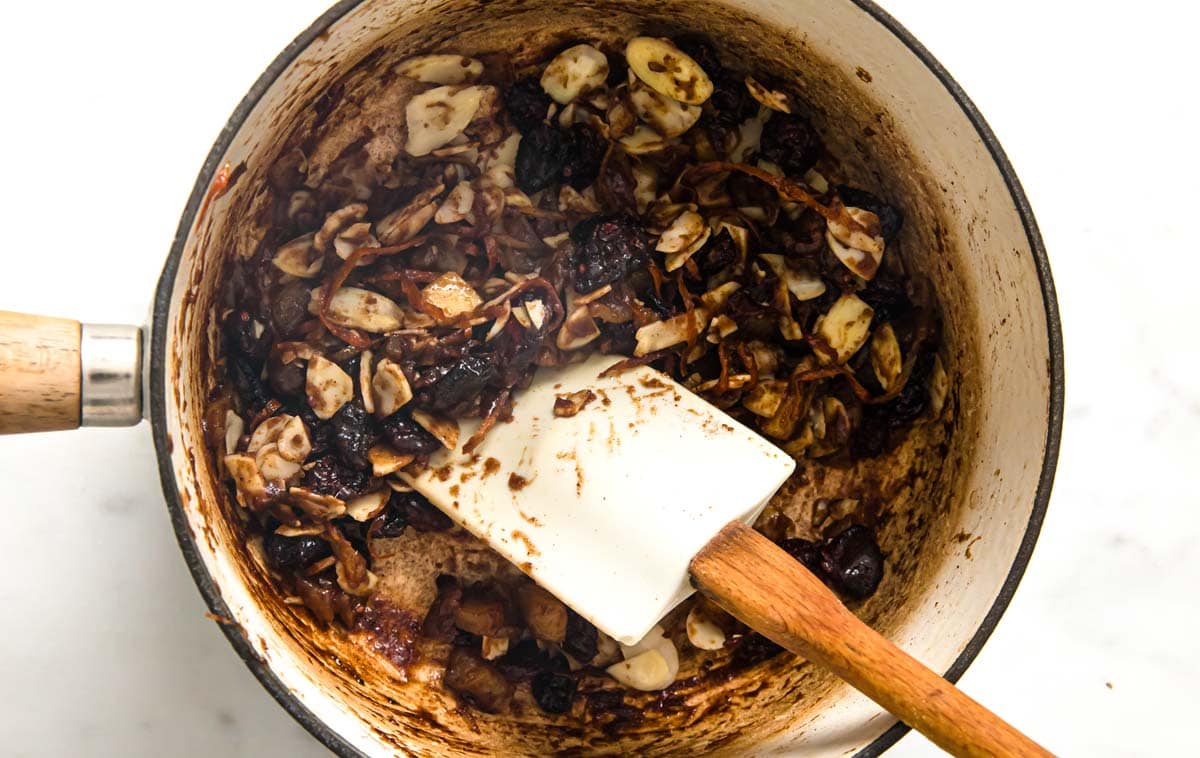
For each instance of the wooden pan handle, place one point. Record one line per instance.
(39, 373)
(747, 575)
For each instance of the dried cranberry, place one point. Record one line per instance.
(329, 476)
(808, 553)
(540, 158)
(891, 218)
(581, 640)
(461, 385)
(607, 248)
(527, 103)
(353, 435)
(554, 693)
(853, 562)
(393, 520)
(286, 554)
(420, 513)
(720, 251)
(289, 310)
(585, 153)
(406, 436)
(247, 337)
(791, 142)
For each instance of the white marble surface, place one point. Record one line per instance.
(105, 649)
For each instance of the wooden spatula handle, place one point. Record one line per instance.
(39, 373)
(751, 578)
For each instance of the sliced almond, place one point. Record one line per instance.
(491, 648)
(319, 506)
(643, 141)
(575, 71)
(247, 479)
(862, 263)
(267, 432)
(802, 286)
(384, 460)
(571, 200)
(765, 398)
(749, 137)
(457, 205)
(578, 329)
(451, 293)
(364, 381)
(368, 506)
(846, 326)
(293, 440)
(669, 117)
(702, 632)
(939, 387)
(716, 297)
(733, 382)
(390, 388)
(668, 70)
(328, 387)
(353, 238)
(362, 309)
(440, 69)
(307, 530)
(234, 426)
(676, 261)
(445, 430)
(646, 671)
(645, 178)
(659, 335)
(437, 116)
(817, 181)
(886, 360)
(721, 327)
(537, 311)
(868, 239)
(500, 322)
(404, 223)
(336, 222)
(683, 231)
(273, 466)
(773, 99)
(299, 258)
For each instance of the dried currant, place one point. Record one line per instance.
(406, 436)
(554, 693)
(527, 103)
(287, 554)
(247, 337)
(719, 252)
(329, 476)
(891, 218)
(585, 153)
(540, 158)
(581, 641)
(607, 248)
(791, 142)
(853, 562)
(353, 435)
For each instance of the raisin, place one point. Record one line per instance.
(891, 218)
(607, 248)
(353, 435)
(755, 648)
(527, 104)
(287, 554)
(393, 520)
(329, 476)
(246, 337)
(289, 310)
(514, 351)
(585, 153)
(581, 640)
(246, 381)
(700, 49)
(720, 251)
(791, 142)
(853, 562)
(406, 436)
(461, 385)
(808, 553)
(731, 102)
(554, 693)
(286, 379)
(523, 661)
(540, 158)
(420, 513)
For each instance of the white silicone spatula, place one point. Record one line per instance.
(620, 508)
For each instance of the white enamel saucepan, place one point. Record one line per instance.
(965, 494)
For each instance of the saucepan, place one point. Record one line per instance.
(965, 497)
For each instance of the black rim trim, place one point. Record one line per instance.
(166, 283)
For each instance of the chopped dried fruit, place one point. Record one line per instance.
(353, 435)
(527, 104)
(853, 562)
(553, 693)
(607, 248)
(791, 142)
(286, 554)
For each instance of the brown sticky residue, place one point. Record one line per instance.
(652, 383)
(490, 466)
(516, 482)
(534, 520)
(572, 456)
(392, 632)
(604, 398)
(443, 474)
(453, 490)
(467, 476)
(523, 538)
(863, 74)
(219, 619)
(219, 186)
(571, 403)
(525, 566)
